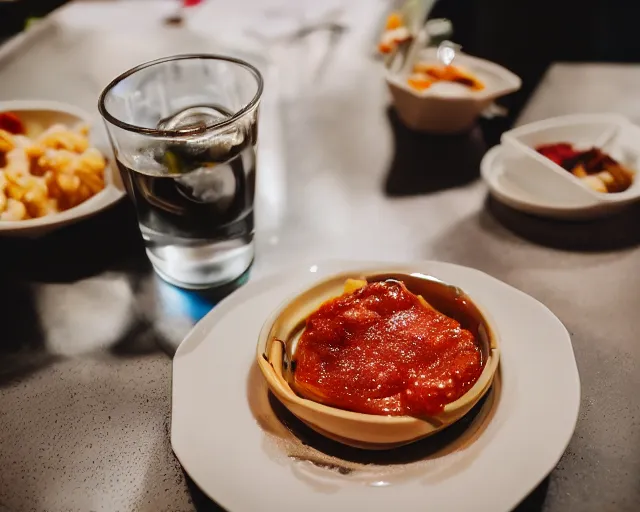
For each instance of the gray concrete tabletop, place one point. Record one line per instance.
(87, 329)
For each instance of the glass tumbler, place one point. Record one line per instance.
(184, 134)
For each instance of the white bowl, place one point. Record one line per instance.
(502, 170)
(445, 107)
(47, 113)
(549, 182)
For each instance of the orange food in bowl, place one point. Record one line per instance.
(394, 21)
(424, 75)
(395, 32)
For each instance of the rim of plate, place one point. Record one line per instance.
(534, 469)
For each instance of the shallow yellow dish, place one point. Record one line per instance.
(277, 343)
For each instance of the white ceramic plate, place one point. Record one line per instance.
(522, 192)
(225, 433)
(48, 113)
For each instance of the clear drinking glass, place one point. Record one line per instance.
(184, 134)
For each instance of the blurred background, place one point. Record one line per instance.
(525, 36)
(15, 14)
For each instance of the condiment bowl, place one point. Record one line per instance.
(447, 107)
(502, 169)
(38, 115)
(548, 181)
(280, 333)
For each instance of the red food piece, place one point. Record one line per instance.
(11, 123)
(381, 351)
(590, 162)
(558, 153)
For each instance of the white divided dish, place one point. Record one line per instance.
(526, 180)
(501, 169)
(47, 113)
(448, 107)
(229, 437)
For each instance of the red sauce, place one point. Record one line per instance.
(379, 350)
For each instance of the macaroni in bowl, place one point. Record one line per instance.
(46, 174)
